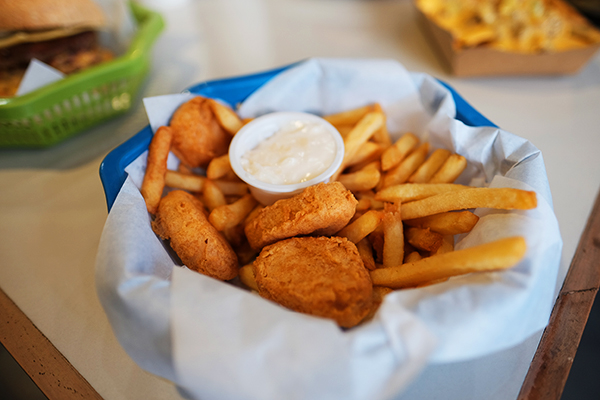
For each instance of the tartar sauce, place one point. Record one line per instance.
(297, 152)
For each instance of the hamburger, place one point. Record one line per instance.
(60, 33)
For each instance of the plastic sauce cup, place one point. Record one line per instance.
(260, 129)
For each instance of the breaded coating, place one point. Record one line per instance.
(182, 220)
(156, 167)
(198, 135)
(322, 209)
(321, 276)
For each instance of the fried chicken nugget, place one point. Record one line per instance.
(322, 209)
(198, 135)
(321, 276)
(182, 220)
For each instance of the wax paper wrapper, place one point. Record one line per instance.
(218, 341)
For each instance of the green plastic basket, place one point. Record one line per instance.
(58, 111)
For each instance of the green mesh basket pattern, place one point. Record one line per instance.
(62, 109)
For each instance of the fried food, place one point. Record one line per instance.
(198, 135)
(229, 215)
(499, 198)
(182, 220)
(319, 276)
(322, 209)
(362, 226)
(447, 223)
(492, 256)
(525, 26)
(156, 168)
(358, 136)
(321, 251)
(406, 192)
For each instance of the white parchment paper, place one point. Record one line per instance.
(218, 341)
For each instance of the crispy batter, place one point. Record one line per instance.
(316, 275)
(198, 136)
(182, 220)
(322, 209)
(156, 168)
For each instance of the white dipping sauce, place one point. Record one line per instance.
(297, 152)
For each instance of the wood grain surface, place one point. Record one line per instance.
(44, 364)
(552, 361)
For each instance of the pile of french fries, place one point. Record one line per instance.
(410, 209)
(408, 213)
(523, 26)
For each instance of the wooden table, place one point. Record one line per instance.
(52, 205)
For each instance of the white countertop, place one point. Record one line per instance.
(52, 204)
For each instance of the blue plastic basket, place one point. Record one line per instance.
(232, 90)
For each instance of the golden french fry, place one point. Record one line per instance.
(393, 235)
(401, 172)
(500, 198)
(365, 179)
(473, 35)
(497, 255)
(363, 205)
(226, 117)
(406, 192)
(184, 169)
(382, 135)
(447, 245)
(218, 167)
(362, 226)
(430, 166)
(349, 117)
(231, 198)
(246, 275)
(394, 154)
(361, 133)
(185, 181)
(227, 216)
(344, 130)
(424, 238)
(230, 176)
(357, 215)
(366, 253)
(408, 248)
(212, 196)
(369, 195)
(154, 179)
(451, 169)
(413, 256)
(367, 153)
(433, 282)
(447, 223)
(376, 239)
(231, 188)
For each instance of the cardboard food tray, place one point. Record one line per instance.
(232, 90)
(480, 61)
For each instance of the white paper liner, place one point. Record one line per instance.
(218, 341)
